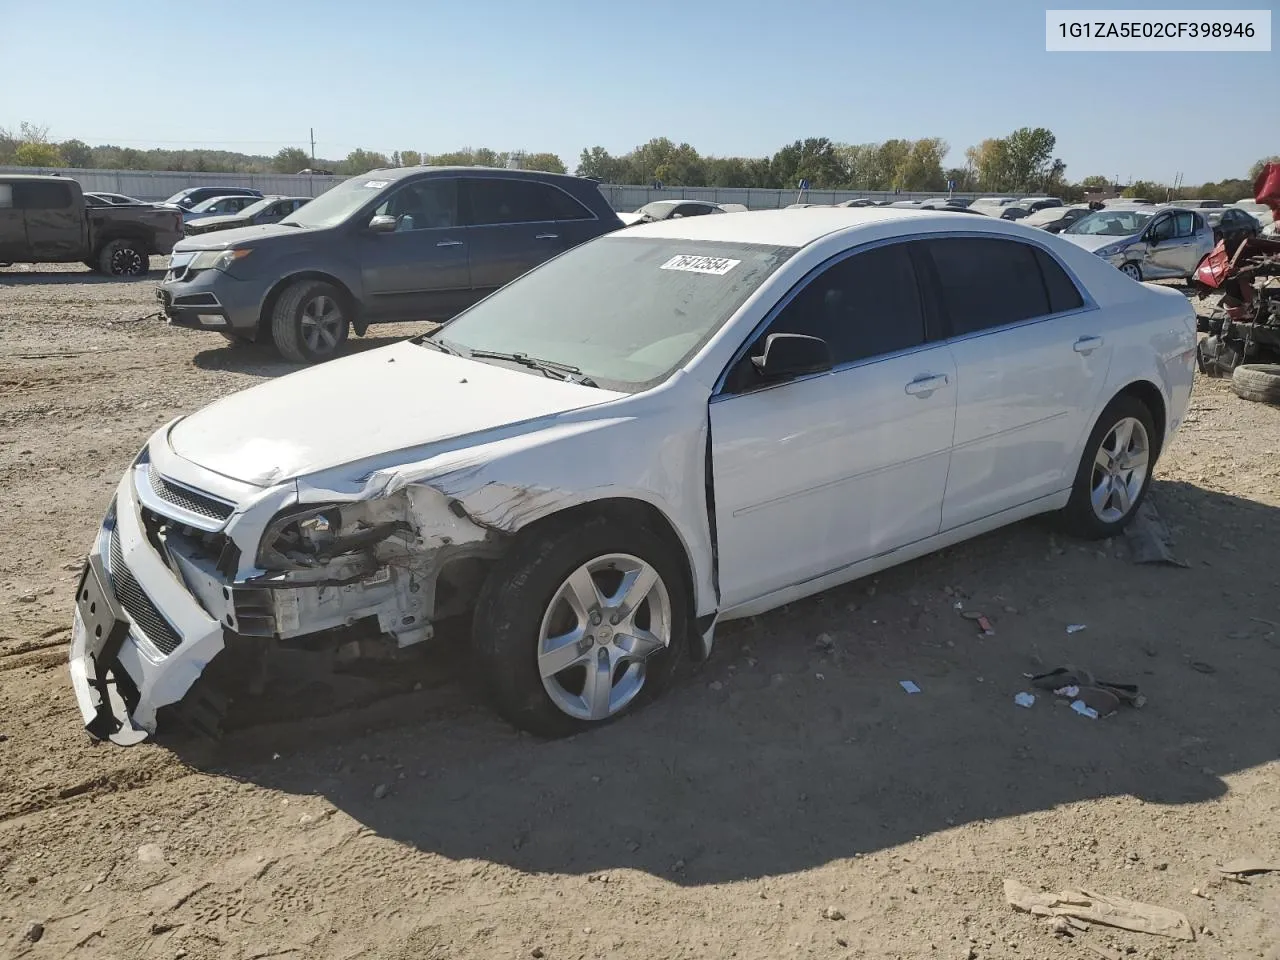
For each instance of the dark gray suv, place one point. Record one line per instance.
(411, 243)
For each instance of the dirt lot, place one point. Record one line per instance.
(782, 780)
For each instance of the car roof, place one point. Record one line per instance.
(799, 228)
(399, 173)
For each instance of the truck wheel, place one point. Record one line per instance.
(1259, 382)
(124, 258)
(308, 324)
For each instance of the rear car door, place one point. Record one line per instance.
(13, 231)
(1031, 358)
(54, 216)
(512, 228)
(420, 271)
(820, 472)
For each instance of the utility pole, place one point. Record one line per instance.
(313, 148)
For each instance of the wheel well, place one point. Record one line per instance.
(1149, 395)
(624, 510)
(349, 303)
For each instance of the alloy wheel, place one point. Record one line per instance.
(322, 322)
(607, 618)
(1131, 270)
(127, 262)
(1120, 470)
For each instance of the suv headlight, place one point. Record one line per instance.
(218, 259)
(312, 537)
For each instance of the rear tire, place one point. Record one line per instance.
(1259, 382)
(124, 258)
(309, 322)
(1114, 472)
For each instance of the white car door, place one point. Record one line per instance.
(821, 471)
(1031, 357)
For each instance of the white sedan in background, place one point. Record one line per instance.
(663, 429)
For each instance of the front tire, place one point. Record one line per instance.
(581, 624)
(124, 258)
(1131, 270)
(1114, 472)
(309, 323)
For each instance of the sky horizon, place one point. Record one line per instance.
(730, 80)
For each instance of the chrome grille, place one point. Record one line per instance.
(137, 604)
(190, 500)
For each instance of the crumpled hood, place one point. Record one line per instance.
(1091, 241)
(375, 402)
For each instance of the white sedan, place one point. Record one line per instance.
(666, 428)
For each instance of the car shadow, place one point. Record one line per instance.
(35, 278)
(263, 360)
(796, 745)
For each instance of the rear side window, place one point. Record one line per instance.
(565, 207)
(499, 201)
(864, 306)
(1186, 224)
(41, 195)
(1063, 293)
(986, 282)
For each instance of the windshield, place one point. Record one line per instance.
(255, 208)
(337, 204)
(625, 311)
(204, 205)
(1110, 223)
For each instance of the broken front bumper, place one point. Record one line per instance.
(151, 643)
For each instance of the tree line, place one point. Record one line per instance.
(1021, 162)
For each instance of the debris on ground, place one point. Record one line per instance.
(981, 620)
(1077, 627)
(909, 686)
(1149, 538)
(832, 913)
(1246, 866)
(1025, 699)
(1092, 907)
(1096, 698)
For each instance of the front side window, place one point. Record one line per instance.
(497, 201)
(987, 282)
(430, 204)
(1164, 228)
(626, 311)
(864, 306)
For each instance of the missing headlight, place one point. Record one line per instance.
(306, 539)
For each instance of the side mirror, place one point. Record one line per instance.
(382, 224)
(788, 355)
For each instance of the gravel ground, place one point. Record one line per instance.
(788, 799)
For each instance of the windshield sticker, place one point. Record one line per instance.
(716, 266)
(376, 184)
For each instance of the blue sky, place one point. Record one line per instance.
(731, 78)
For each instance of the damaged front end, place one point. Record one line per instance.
(178, 576)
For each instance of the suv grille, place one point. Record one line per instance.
(137, 604)
(190, 500)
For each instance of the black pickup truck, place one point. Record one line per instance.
(46, 220)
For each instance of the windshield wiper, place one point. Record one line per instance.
(551, 368)
(442, 345)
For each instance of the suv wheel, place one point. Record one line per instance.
(308, 323)
(124, 258)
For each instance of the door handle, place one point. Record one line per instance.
(449, 243)
(923, 386)
(547, 236)
(1087, 345)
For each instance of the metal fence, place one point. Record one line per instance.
(160, 185)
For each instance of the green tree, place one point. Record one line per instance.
(1096, 182)
(1145, 189)
(290, 160)
(38, 155)
(598, 162)
(77, 153)
(1029, 152)
(410, 158)
(814, 159)
(922, 168)
(991, 165)
(546, 162)
(362, 161)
